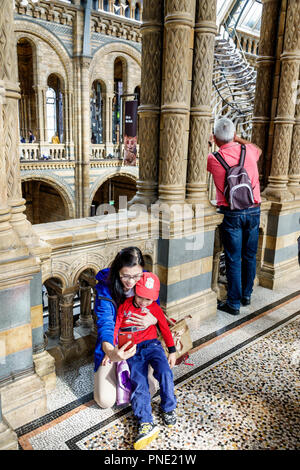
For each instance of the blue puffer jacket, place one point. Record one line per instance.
(106, 313)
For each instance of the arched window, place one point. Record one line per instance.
(117, 7)
(27, 105)
(127, 9)
(137, 13)
(96, 114)
(51, 113)
(55, 111)
(105, 5)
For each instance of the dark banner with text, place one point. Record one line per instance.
(130, 134)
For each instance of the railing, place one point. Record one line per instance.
(29, 152)
(38, 152)
(98, 151)
(102, 152)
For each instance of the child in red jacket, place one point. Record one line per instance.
(149, 351)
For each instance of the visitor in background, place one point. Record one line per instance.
(240, 228)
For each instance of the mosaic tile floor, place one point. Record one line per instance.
(241, 391)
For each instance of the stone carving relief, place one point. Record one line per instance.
(172, 142)
(175, 89)
(151, 68)
(203, 63)
(149, 134)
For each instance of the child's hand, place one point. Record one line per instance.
(172, 359)
(105, 360)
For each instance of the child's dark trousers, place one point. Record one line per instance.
(150, 352)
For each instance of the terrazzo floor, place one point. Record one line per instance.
(240, 392)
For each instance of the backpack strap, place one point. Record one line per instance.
(221, 160)
(243, 155)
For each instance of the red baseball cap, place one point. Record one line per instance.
(148, 286)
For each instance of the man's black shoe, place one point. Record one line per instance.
(226, 308)
(245, 301)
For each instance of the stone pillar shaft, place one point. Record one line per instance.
(205, 30)
(149, 110)
(85, 318)
(53, 316)
(294, 168)
(285, 118)
(265, 76)
(86, 137)
(66, 319)
(175, 102)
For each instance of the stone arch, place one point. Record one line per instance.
(106, 176)
(91, 266)
(60, 187)
(118, 49)
(55, 275)
(32, 32)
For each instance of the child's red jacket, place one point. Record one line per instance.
(127, 309)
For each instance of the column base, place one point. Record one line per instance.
(146, 194)
(85, 322)
(23, 401)
(8, 438)
(279, 275)
(277, 194)
(45, 369)
(295, 191)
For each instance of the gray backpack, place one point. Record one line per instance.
(238, 189)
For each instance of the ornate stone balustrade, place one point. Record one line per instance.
(41, 152)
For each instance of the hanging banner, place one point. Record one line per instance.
(130, 132)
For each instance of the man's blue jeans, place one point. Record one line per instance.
(239, 233)
(150, 352)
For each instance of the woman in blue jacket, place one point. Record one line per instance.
(115, 284)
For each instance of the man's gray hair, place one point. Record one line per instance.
(224, 130)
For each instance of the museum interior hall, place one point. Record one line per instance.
(107, 108)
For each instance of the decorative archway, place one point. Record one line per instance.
(110, 187)
(59, 192)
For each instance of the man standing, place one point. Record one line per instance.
(240, 228)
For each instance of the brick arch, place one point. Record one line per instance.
(58, 185)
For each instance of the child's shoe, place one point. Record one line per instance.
(146, 434)
(169, 418)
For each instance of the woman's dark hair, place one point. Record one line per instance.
(128, 257)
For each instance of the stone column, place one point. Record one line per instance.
(66, 320)
(86, 137)
(8, 239)
(9, 75)
(294, 169)
(40, 112)
(53, 312)
(175, 102)
(149, 109)
(277, 188)
(22, 391)
(85, 318)
(200, 125)
(265, 81)
(78, 137)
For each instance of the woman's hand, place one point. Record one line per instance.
(143, 321)
(105, 360)
(115, 354)
(172, 360)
